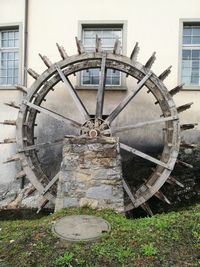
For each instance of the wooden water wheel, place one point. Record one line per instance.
(98, 124)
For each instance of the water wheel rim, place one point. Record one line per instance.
(74, 64)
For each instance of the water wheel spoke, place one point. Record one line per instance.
(42, 145)
(73, 93)
(128, 191)
(143, 124)
(42, 203)
(101, 89)
(144, 155)
(127, 99)
(52, 114)
(51, 183)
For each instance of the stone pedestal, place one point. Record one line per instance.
(91, 174)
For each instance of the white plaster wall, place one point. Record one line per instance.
(12, 12)
(153, 23)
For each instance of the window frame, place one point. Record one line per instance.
(14, 26)
(182, 23)
(104, 24)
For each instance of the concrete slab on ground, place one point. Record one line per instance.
(81, 228)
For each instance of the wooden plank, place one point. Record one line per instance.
(52, 114)
(185, 164)
(186, 145)
(142, 124)
(46, 60)
(30, 191)
(9, 122)
(117, 47)
(165, 73)
(8, 141)
(41, 145)
(15, 157)
(21, 88)
(62, 51)
(34, 180)
(42, 203)
(162, 197)
(33, 73)
(145, 206)
(172, 180)
(73, 93)
(135, 52)
(20, 174)
(101, 89)
(127, 99)
(188, 126)
(98, 45)
(80, 46)
(184, 107)
(144, 156)
(51, 183)
(12, 104)
(150, 61)
(176, 89)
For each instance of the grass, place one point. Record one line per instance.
(164, 240)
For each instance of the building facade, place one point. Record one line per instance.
(30, 27)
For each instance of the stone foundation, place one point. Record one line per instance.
(91, 174)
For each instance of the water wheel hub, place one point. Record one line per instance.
(95, 127)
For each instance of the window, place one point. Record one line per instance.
(9, 56)
(190, 71)
(108, 37)
(108, 34)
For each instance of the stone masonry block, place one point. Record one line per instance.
(100, 192)
(70, 202)
(91, 173)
